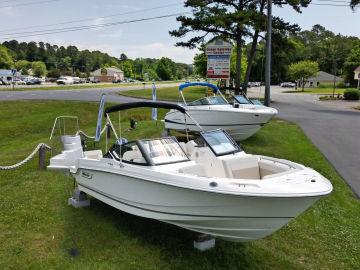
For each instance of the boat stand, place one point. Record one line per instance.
(79, 199)
(204, 242)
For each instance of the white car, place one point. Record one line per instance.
(288, 84)
(65, 80)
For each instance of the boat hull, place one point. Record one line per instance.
(240, 125)
(230, 217)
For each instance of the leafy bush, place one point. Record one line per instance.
(325, 85)
(352, 94)
(340, 85)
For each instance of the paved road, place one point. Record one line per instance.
(335, 131)
(89, 94)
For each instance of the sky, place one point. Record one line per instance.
(138, 39)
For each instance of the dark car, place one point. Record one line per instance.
(117, 81)
(33, 81)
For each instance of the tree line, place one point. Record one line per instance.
(45, 59)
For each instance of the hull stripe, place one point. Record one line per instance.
(219, 125)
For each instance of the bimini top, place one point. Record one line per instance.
(131, 105)
(185, 85)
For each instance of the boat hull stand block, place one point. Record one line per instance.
(204, 242)
(79, 199)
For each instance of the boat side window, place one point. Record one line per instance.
(211, 100)
(164, 150)
(199, 102)
(131, 153)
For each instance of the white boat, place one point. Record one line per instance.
(210, 186)
(241, 120)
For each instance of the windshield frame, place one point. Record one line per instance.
(236, 146)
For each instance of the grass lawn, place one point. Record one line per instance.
(38, 228)
(318, 91)
(168, 93)
(82, 86)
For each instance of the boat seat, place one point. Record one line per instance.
(95, 154)
(190, 147)
(242, 168)
(133, 156)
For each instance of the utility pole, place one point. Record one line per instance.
(334, 77)
(268, 55)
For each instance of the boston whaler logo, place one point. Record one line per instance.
(86, 175)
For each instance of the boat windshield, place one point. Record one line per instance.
(212, 100)
(241, 99)
(256, 102)
(220, 143)
(164, 150)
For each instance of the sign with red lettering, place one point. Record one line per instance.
(218, 59)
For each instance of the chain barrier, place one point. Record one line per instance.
(26, 159)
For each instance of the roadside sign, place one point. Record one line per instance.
(218, 67)
(218, 59)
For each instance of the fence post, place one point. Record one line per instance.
(42, 158)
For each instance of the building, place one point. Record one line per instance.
(357, 75)
(322, 78)
(6, 74)
(108, 74)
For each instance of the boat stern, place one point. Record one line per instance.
(68, 159)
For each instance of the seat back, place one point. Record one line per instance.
(246, 167)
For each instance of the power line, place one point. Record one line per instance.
(88, 19)
(79, 28)
(334, 1)
(30, 3)
(330, 5)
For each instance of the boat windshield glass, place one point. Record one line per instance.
(164, 150)
(212, 100)
(256, 102)
(241, 99)
(220, 143)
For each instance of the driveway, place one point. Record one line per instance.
(333, 129)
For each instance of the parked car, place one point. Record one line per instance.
(33, 81)
(76, 80)
(94, 80)
(288, 84)
(65, 80)
(19, 81)
(4, 81)
(116, 81)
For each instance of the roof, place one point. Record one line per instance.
(5, 72)
(324, 76)
(357, 69)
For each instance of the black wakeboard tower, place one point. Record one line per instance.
(146, 104)
(149, 104)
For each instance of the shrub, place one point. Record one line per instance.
(340, 85)
(325, 85)
(352, 94)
